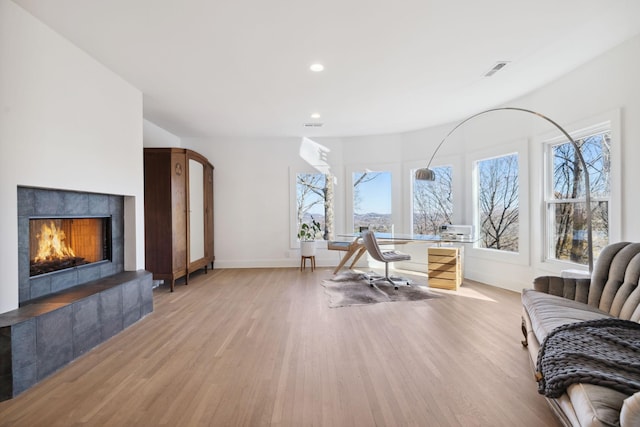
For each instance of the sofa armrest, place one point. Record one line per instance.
(567, 287)
(630, 413)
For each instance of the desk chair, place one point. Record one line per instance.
(370, 242)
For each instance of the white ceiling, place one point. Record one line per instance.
(241, 67)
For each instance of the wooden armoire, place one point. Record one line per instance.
(178, 213)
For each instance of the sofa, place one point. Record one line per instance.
(557, 303)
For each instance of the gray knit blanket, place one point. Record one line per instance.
(604, 352)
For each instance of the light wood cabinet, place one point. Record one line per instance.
(178, 212)
(445, 268)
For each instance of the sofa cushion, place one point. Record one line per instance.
(547, 312)
(595, 405)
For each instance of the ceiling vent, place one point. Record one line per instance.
(313, 125)
(499, 66)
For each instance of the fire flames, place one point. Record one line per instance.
(51, 244)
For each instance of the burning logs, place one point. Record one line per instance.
(47, 266)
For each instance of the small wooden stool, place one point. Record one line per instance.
(303, 262)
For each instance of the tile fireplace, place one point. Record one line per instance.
(74, 293)
(67, 238)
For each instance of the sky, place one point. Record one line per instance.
(375, 195)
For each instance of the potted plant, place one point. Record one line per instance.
(307, 235)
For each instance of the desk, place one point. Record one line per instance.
(352, 248)
(356, 248)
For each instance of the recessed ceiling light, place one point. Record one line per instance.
(316, 67)
(315, 116)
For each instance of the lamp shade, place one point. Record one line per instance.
(425, 174)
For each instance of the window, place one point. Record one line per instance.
(372, 201)
(432, 201)
(565, 200)
(314, 200)
(497, 215)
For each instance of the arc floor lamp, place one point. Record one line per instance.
(426, 174)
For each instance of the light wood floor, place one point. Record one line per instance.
(260, 347)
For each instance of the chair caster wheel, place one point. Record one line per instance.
(396, 288)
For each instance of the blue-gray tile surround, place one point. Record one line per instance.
(54, 340)
(42, 202)
(64, 279)
(66, 313)
(88, 274)
(111, 312)
(44, 335)
(24, 357)
(86, 325)
(131, 303)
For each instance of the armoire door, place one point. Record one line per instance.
(196, 218)
(196, 211)
(179, 213)
(208, 214)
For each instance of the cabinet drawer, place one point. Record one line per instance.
(444, 251)
(452, 285)
(448, 274)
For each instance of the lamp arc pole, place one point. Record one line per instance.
(565, 133)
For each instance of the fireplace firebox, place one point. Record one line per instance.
(66, 242)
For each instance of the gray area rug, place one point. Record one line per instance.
(352, 288)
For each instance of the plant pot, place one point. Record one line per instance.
(308, 248)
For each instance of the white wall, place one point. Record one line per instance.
(65, 122)
(253, 223)
(251, 192)
(155, 136)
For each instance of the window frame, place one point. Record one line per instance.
(457, 186)
(519, 147)
(431, 209)
(294, 243)
(609, 121)
(396, 192)
(477, 208)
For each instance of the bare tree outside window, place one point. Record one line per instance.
(498, 211)
(372, 201)
(432, 202)
(314, 199)
(566, 203)
(315, 193)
